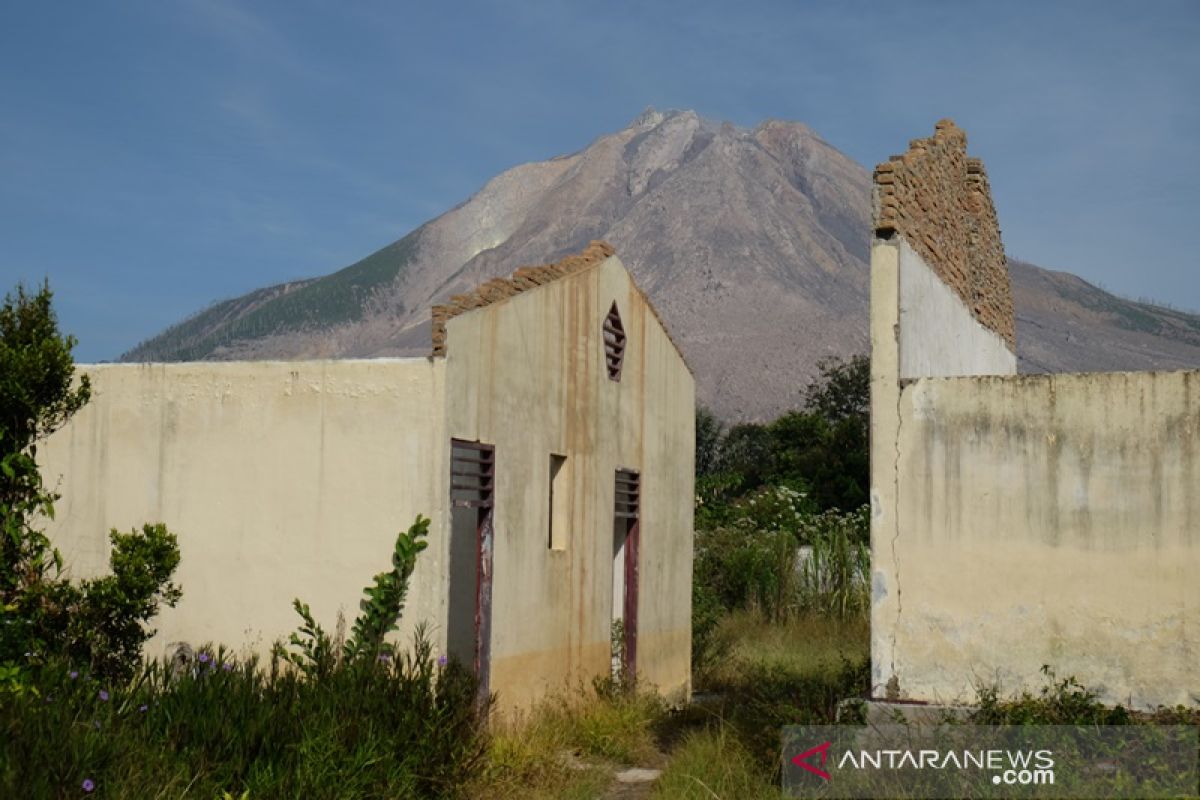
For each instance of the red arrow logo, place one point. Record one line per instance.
(823, 751)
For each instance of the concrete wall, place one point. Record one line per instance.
(527, 374)
(281, 480)
(939, 334)
(1022, 521)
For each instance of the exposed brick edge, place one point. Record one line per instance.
(597, 252)
(939, 200)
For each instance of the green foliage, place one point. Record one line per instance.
(755, 560)
(742, 567)
(709, 431)
(36, 399)
(1059, 702)
(833, 574)
(774, 673)
(315, 652)
(100, 622)
(406, 728)
(108, 616)
(821, 449)
(843, 391)
(384, 602)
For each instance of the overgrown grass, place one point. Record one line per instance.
(770, 674)
(567, 745)
(398, 727)
(803, 646)
(712, 763)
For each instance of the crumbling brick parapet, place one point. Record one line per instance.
(938, 199)
(500, 288)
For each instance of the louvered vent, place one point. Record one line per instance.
(614, 343)
(628, 494)
(471, 473)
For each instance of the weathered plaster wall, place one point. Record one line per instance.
(940, 336)
(281, 479)
(1049, 519)
(526, 373)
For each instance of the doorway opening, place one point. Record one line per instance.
(469, 624)
(625, 575)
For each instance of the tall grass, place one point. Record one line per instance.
(712, 764)
(397, 727)
(567, 745)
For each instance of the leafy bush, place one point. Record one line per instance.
(821, 448)
(100, 622)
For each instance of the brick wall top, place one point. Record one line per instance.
(938, 199)
(523, 279)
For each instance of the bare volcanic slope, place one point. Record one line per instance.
(753, 244)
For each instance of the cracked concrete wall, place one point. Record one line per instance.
(1045, 519)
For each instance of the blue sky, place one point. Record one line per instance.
(157, 156)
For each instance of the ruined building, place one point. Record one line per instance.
(1016, 520)
(549, 438)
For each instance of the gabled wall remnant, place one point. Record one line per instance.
(938, 199)
(1016, 521)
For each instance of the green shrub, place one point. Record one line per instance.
(362, 721)
(1059, 702)
(99, 622)
(314, 651)
(403, 728)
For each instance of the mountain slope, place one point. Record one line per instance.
(753, 244)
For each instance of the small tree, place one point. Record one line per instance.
(100, 621)
(36, 399)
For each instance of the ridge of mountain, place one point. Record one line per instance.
(751, 242)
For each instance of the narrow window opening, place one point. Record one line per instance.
(560, 494)
(614, 343)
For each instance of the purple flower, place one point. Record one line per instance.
(73, 674)
(142, 708)
(384, 658)
(227, 666)
(103, 695)
(442, 661)
(204, 658)
(89, 785)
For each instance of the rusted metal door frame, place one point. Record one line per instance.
(627, 507)
(476, 476)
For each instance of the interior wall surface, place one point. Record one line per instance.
(282, 480)
(939, 335)
(527, 374)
